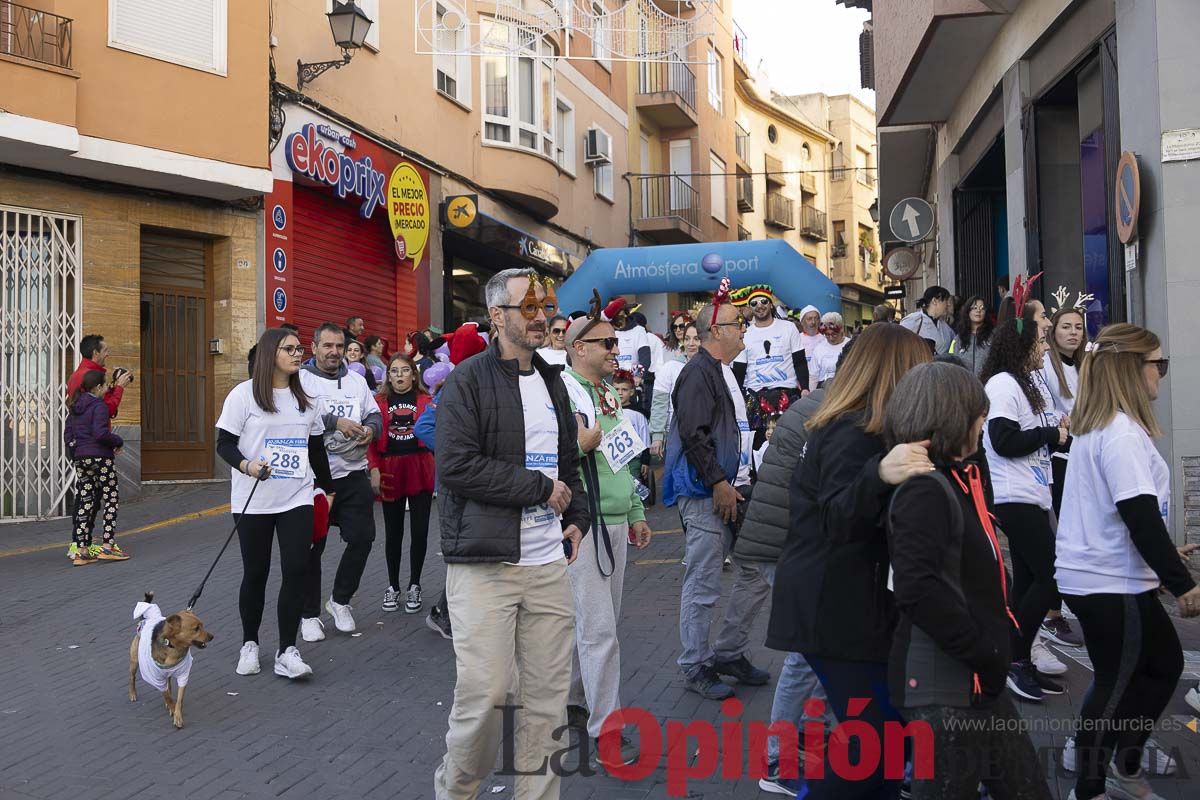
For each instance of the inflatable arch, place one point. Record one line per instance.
(699, 268)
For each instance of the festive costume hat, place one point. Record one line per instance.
(741, 297)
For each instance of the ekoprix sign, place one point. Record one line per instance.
(698, 268)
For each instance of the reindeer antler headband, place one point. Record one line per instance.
(1020, 294)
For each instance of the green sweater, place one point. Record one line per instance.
(619, 501)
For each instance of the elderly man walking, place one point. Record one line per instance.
(513, 513)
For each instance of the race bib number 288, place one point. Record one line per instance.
(287, 458)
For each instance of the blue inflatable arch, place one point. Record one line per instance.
(795, 280)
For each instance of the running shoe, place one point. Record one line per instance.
(1049, 684)
(412, 602)
(708, 684)
(391, 599)
(1022, 681)
(112, 552)
(1059, 631)
(343, 620)
(1192, 698)
(1131, 787)
(289, 664)
(248, 659)
(72, 551)
(82, 556)
(577, 717)
(774, 783)
(1155, 760)
(439, 623)
(1044, 659)
(312, 629)
(627, 753)
(743, 670)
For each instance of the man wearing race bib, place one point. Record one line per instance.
(351, 420)
(707, 462)
(607, 443)
(774, 366)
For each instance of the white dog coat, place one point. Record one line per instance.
(150, 615)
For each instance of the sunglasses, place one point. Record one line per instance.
(608, 342)
(759, 302)
(1161, 364)
(557, 331)
(679, 326)
(293, 349)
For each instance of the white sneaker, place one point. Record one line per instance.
(1044, 659)
(391, 599)
(1192, 698)
(312, 629)
(1155, 760)
(1134, 787)
(1068, 755)
(413, 602)
(248, 659)
(343, 620)
(289, 664)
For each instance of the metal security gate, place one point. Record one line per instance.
(40, 311)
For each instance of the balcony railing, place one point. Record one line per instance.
(743, 233)
(741, 43)
(745, 192)
(838, 174)
(781, 211)
(668, 76)
(665, 196)
(36, 35)
(866, 176)
(813, 223)
(741, 142)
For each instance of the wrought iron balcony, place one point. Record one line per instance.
(813, 223)
(35, 35)
(668, 209)
(743, 233)
(745, 192)
(667, 93)
(781, 211)
(741, 142)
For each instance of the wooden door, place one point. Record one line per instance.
(177, 371)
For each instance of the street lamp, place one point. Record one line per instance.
(349, 25)
(874, 210)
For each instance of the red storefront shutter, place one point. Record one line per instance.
(346, 266)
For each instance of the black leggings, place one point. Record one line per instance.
(1138, 660)
(1031, 544)
(393, 525)
(255, 531)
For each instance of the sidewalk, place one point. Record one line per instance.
(155, 505)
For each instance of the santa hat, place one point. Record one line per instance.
(615, 307)
(465, 342)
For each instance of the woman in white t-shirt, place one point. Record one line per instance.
(661, 409)
(1021, 430)
(270, 431)
(829, 349)
(1068, 340)
(1113, 551)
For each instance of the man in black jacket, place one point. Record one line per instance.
(510, 502)
(707, 460)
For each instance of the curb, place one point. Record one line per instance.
(153, 526)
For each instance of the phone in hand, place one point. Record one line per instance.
(567, 548)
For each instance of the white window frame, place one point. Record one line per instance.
(564, 136)
(716, 79)
(602, 175)
(462, 60)
(220, 65)
(717, 183)
(601, 41)
(371, 8)
(514, 121)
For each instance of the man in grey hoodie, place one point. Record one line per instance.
(352, 420)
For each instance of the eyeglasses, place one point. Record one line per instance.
(608, 342)
(740, 322)
(1161, 364)
(292, 349)
(529, 310)
(759, 302)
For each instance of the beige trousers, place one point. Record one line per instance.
(505, 616)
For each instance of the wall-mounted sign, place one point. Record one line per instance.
(893, 292)
(307, 155)
(1181, 145)
(503, 237)
(334, 135)
(1129, 197)
(901, 263)
(408, 212)
(911, 219)
(461, 210)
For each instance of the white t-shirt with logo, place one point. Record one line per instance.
(541, 528)
(743, 423)
(825, 359)
(1063, 405)
(552, 356)
(1095, 553)
(1026, 479)
(349, 397)
(629, 343)
(281, 439)
(768, 355)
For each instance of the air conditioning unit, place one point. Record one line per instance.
(597, 147)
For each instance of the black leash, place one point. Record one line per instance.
(196, 595)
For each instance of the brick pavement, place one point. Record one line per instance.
(372, 721)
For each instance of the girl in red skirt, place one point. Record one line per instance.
(402, 474)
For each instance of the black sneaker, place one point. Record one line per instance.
(1059, 631)
(774, 783)
(577, 717)
(1049, 684)
(743, 670)
(439, 622)
(1023, 682)
(627, 754)
(708, 684)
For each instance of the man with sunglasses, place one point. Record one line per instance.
(773, 368)
(556, 351)
(513, 512)
(707, 462)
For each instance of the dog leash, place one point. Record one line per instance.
(196, 595)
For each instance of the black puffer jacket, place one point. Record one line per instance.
(482, 481)
(766, 527)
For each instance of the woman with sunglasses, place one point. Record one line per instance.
(1113, 551)
(829, 349)
(673, 341)
(556, 333)
(661, 409)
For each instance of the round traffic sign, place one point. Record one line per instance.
(1128, 199)
(901, 263)
(911, 219)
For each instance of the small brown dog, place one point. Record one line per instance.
(162, 649)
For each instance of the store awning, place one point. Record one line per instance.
(795, 280)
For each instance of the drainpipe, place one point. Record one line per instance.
(632, 232)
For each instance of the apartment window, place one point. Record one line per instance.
(191, 33)
(715, 71)
(717, 169)
(564, 153)
(602, 176)
(451, 64)
(518, 90)
(601, 48)
(371, 9)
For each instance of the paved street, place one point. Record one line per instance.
(370, 724)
